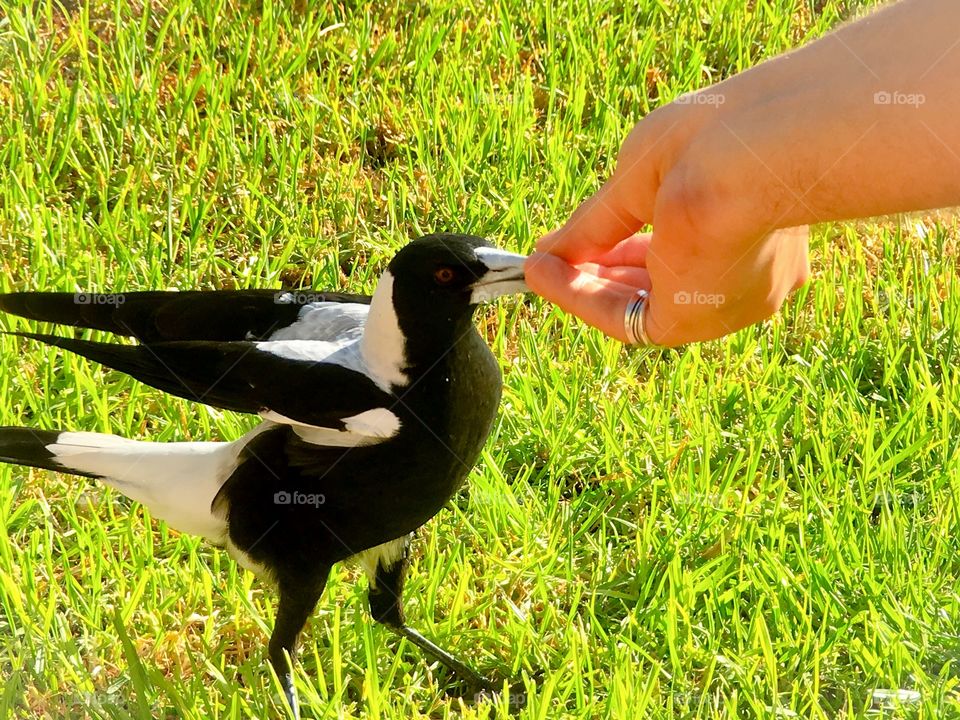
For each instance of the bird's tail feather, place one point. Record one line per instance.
(26, 446)
(176, 481)
(67, 309)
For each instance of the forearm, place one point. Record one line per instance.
(865, 121)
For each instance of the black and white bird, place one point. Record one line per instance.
(374, 410)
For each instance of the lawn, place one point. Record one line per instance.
(764, 526)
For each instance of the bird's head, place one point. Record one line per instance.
(445, 276)
(425, 299)
(433, 284)
(455, 270)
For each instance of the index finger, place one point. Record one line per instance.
(601, 221)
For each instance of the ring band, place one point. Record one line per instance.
(634, 319)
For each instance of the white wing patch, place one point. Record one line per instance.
(327, 321)
(363, 338)
(367, 428)
(306, 350)
(346, 353)
(324, 332)
(378, 423)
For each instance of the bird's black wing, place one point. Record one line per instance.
(158, 316)
(239, 376)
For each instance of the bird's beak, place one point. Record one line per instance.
(504, 275)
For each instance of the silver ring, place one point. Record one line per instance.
(635, 319)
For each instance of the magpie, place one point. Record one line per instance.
(374, 410)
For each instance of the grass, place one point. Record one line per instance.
(764, 526)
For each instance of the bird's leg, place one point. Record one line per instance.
(297, 599)
(385, 607)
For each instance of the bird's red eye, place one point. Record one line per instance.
(444, 275)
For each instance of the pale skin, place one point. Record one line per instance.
(862, 122)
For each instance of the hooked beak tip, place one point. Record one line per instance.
(505, 274)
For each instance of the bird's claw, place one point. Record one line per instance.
(490, 691)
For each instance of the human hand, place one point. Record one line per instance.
(709, 272)
(728, 178)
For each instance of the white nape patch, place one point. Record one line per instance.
(496, 259)
(383, 346)
(386, 555)
(177, 482)
(367, 428)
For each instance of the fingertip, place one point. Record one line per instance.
(546, 242)
(565, 245)
(570, 249)
(541, 271)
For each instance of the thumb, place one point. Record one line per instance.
(597, 300)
